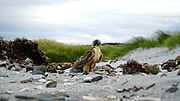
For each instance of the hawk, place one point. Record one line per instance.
(87, 62)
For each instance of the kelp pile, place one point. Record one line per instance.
(132, 67)
(20, 49)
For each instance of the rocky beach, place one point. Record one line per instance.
(159, 80)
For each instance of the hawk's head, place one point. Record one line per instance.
(96, 42)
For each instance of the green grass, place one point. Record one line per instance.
(59, 52)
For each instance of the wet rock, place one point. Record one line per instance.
(97, 78)
(154, 69)
(51, 84)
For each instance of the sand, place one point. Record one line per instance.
(161, 87)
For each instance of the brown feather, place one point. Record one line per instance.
(85, 58)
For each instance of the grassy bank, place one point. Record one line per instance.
(59, 52)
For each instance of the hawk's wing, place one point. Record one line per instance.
(85, 58)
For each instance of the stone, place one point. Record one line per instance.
(3, 64)
(27, 61)
(97, 78)
(88, 98)
(178, 73)
(40, 68)
(38, 73)
(87, 79)
(29, 68)
(51, 84)
(154, 69)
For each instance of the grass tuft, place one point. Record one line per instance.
(59, 52)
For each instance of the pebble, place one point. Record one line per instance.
(25, 89)
(39, 87)
(87, 79)
(97, 78)
(111, 97)
(51, 84)
(154, 69)
(42, 80)
(88, 98)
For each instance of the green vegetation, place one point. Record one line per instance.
(59, 52)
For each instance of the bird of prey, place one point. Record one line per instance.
(87, 62)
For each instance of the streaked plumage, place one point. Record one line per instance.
(87, 62)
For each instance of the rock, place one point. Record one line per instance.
(25, 89)
(9, 92)
(177, 67)
(154, 69)
(112, 97)
(177, 58)
(42, 80)
(39, 87)
(87, 79)
(28, 61)
(3, 64)
(18, 68)
(37, 73)
(88, 98)
(9, 67)
(51, 84)
(29, 68)
(178, 72)
(40, 68)
(97, 78)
